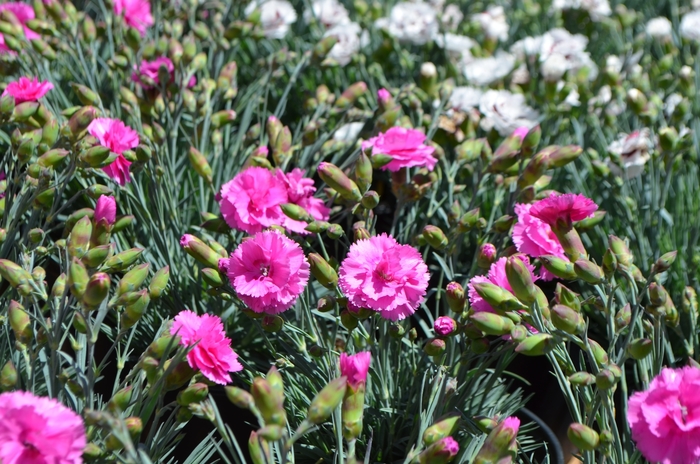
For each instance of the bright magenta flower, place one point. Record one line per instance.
(23, 12)
(382, 275)
(535, 237)
(39, 430)
(665, 418)
(211, 351)
(300, 191)
(115, 135)
(383, 95)
(251, 201)
(268, 271)
(149, 69)
(106, 210)
(137, 13)
(26, 89)
(496, 276)
(521, 132)
(567, 207)
(405, 146)
(355, 367)
(444, 326)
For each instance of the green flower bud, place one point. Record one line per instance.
(45, 199)
(534, 170)
(179, 376)
(268, 402)
(623, 317)
(363, 172)
(536, 345)
(506, 155)
(98, 156)
(621, 251)
(20, 322)
(335, 231)
(13, 274)
(352, 93)
(121, 400)
(520, 279)
(491, 324)
(271, 432)
(96, 291)
(640, 348)
(580, 379)
(566, 319)
(599, 353)
(296, 212)
(200, 164)
(456, 298)
(258, 449)
(322, 271)
(159, 282)
(8, 377)
(195, 393)
(498, 298)
(272, 324)
(240, 397)
(348, 321)
(327, 400)
(85, 95)
(668, 138)
(564, 155)
(605, 379)
(24, 111)
(212, 277)
(122, 260)
(434, 347)
(582, 437)
(443, 427)
(52, 157)
(133, 279)
(665, 261)
(80, 120)
(341, 183)
(134, 311)
(79, 239)
(469, 220)
(657, 294)
(499, 442)
(503, 224)
(609, 262)
(588, 271)
(566, 297)
(221, 119)
(435, 237)
(370, 199)
(77, 278)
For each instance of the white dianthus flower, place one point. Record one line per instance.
(485, 71)
(493, 23)
(659, 28)
(690, 25)
(505, 112)
(350, 38)
(275, 16)
(414, 23)
(633, 151)
(328, 12)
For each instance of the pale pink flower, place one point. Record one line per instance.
(444, 325)
(23, 12)
(300, 191)
(382, 275)
(405, 146)
(446, 449)
(137, 13)
(251, 201)
(496, 276)
(149, 69)
(115, 135)
(535, 237)
(105, 210)
(355, 367)
(665, 418)
(211, 351)
(567, 207)
(26, 89)
(39, 430)
(268, 272)
(521, 132)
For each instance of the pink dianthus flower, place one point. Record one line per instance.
(382, 275)
(251, 201)
(665, 418)
(38, 430)
(118, 137)
(211, 351)
(405, 146)
(535, 237)
(444, 325)
(268, 271)
(24, 13)
(567, 207)
(496, 276)
(355, 367)
(26, 89)
(300, 191)
(137, 13)
(149, 69)
(105, 210)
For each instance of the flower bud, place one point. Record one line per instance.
(456, 298)
(258, 449)
(121, 400)
(444, 326)
(640, 348)
(536, 345)
(79, 239)
(498, 298)
(195, 393)
(469, 220)
(440, 452)
(637, 101)
(133, 279)
(370, 199)
(566, 319)
(212, 277)
(582, 379)
(520, 279)
(85, 95)
(220, 119)
(588, 271)
(341, 183)
(621, 251)
(499, 442)
(352, 93)
(134, 311)
(52, 157)
(562, 156)
(96, 291)
(491, 324)
(200, 251)
(657, 294)
(8, 377)
(559, 267)
(363, 172)
(322, 271)
(327, 400)
(179, 376)
(268, 402)
(122, 260)
(582, 437)
(435, 237)
(77, 278)
(609, 262)
(442, 428)
(534, 170)
(434, 347)
(13, 274)
(240, 397)
(80, 120)
(503, 224)
(623, 317)
(20, 322)
(665, 261)
(599, 353)
(159, 282)
(200, 164)
(97, 157)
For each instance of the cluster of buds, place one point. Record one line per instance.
(500, 445)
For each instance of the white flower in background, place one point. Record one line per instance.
(275, 16)
(554, 67)
(328, 12)
(604, 100)
(465, 98)
(521, 75)
(690, 25)
(493, 23)
(414, 23)
(633, 151)
(672, 101)
(458, 47)
(527, 47)
(572, 99)
(505, 112)
(348, 132)
(350, 38)
(485, 71)
(571, 48)
(659, 28)
(451, 17)
(597, 9)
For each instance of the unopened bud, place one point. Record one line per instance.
(122, 260)
(564, 155)
(435, 237)
(336, 178)
(589, 271)
(498, 298)
(133, 279)
(520, 279)
(159, 282)
(582, 379)
(240, 397)
(200, 164)
(491, 324)
(79, 239)
(363, 172)
(583, 437)
(352, 93)
(434, 347)
(322, 271)
(665, 261)
(536, 345)
(640, 348)
(559, 267)
(621, 251)
(443, 427)
(599, 353)
(566, 319)
(8, 377)
(327, 400)
(200, 251)
(77, 278)
(20, 322)
(456, 298)
(195, 393)
(121, 400)
(440, 452)
(96, 291)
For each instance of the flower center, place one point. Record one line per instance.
(383, 272)
(684, 412)
(264, 270)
